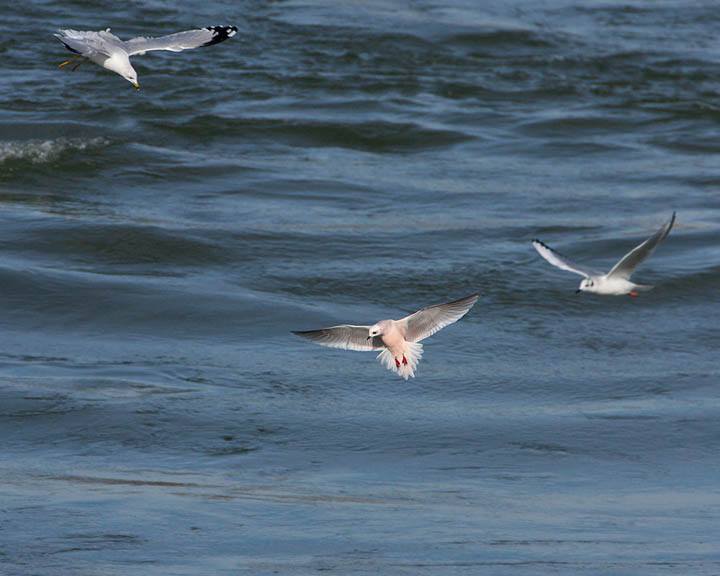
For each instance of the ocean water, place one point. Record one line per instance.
(347, 162)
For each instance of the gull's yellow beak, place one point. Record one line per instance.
(136, 85)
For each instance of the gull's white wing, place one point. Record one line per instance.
(88, 43)
(182, 40)
(430, 319)
(346, 336)
(639, 254)
(563, 262)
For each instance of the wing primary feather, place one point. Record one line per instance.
(561, 261)
(627, 264)
(220, 34)
(187, 40)
(347, 337)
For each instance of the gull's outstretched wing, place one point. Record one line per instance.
(182, 40)
(639, 254)
(346, 336)
(430, 319)
(563, 262)
(89, 43)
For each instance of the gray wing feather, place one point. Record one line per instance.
(347, 337)
(430, 319)
(640, 253)
(182, 40)
(562, 261)
(88, 43)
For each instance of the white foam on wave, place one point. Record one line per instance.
(43, 151)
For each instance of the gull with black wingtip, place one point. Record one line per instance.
(108, 51)
(617, 281)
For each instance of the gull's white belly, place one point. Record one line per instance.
(613, 286)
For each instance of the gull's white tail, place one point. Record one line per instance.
(413, 353)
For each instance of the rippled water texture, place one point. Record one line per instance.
(347, 162)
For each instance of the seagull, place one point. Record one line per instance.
(397, 340)
(108, 51)
(617, 281)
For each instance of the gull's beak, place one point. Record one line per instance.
(578, 291)
(369, 337)
(136, 85)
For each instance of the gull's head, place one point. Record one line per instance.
(376, 330)
(132, 78)
(587, 285)
(120, 64)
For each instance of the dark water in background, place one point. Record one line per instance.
(347, 162)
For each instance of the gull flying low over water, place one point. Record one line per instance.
(108, 51)
(617, 281)
(397, 340)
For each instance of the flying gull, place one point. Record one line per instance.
(108, 51)
(397, 340)
(617, 281)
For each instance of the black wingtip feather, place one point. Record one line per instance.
(220, 34)
(68, 47)
(669, 226)
(550, 249)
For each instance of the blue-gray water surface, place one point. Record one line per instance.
(347, 162)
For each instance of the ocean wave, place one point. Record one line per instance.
(372, 136)
(45, 151)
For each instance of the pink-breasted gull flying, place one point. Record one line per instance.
(397, 340)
